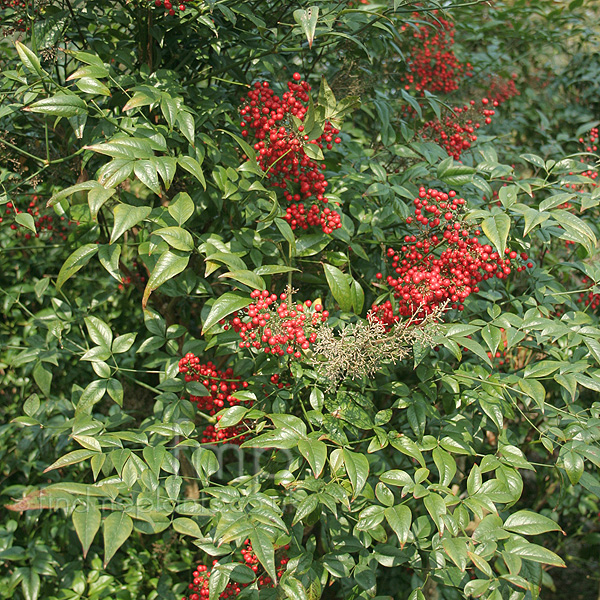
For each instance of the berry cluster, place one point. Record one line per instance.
(279, 328)
(502, 89)
(589, 298)
(199, 588)
(456, 131)
(443, 264)
(169, 7)
(48, 226)
(589, 145)
(280, 147)
(433, 66)
(19, 7)
(221, 385)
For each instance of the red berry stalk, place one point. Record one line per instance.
(221, 385)
(278, 328)
(443, 264)
(199, 587)
(433, 65)
(280, 146)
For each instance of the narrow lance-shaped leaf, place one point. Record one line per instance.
(265, 552)
(76, 261)
(224, 306)
(168, 266)
(496, 228)
(339, 284)
(307, 19)
(117, 528)
(66, 105)
(126, 217)
(86, 520)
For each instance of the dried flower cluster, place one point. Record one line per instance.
(361, 349)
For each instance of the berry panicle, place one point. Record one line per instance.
(222, 386)
(268, 122)
(278, 326)
(442, 263)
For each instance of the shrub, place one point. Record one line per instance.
(300, 301)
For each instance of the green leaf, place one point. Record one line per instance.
(181, 208)
(97, 196)
(191, 165)
(109, 255)
(115, 390)
(43, 378)
(576, 229)
(117, 528)
(339, 285)
(186, 124)
(89, 85)
(535, 390)
(115, 172)
(76, 261)
(294, 589)
(78, 187)
(147, 172)
(166, 167)
(29, 59)
(574, 465)
(176, 237)
(534, 160)
(86, 519)
(26, 220)
(86, 57)
(89, 71)
(279, 438)
(64, 105)
(168, 266)
(137, 100)
(224, 306)
(248, 278)
(31, 405)
(287, 233)
(526, 522)
(123, 343)
(307, 506)
(474, 347)
(30, 584)
(436, 507)
(125, 147)
(315, 452)
(231, 416)
(453, 173)
(263, 548)
(70, 459)
(497, 228)
(126, 217)
(187, 526)
(357, 295)
(307, 19)
(99, 331)
(536, 553)
(205, 462)
(357, 468)
(446, 465)
(219, 578)
(456, 549)
(92, 394)
(273, 269)
(399, 518)
(408, 447)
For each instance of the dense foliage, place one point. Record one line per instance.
(299, 300)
